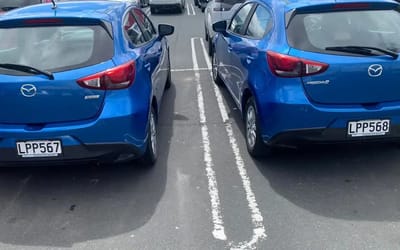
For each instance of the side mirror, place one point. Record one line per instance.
(220, 27)
(165, 29)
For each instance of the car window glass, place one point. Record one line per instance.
(132, 30)
(55, 48)
(260, 23)
(11, 4)
(148, 28)
(373, 28)
(238, 21)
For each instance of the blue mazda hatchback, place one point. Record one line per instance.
(306, 71)
(81, 81)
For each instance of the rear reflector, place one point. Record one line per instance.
(120, 77)
(290, 66)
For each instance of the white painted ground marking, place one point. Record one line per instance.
(193, 11)
(257, 219)
(190, 10)
(219, 230)
(192, 69)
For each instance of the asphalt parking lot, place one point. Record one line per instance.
(206, 192)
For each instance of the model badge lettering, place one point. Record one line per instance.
(318, 82)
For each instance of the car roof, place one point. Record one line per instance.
(104, 10)
(293, 4)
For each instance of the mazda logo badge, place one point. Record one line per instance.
(28, 90)
(375, 70)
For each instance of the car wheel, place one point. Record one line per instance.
(206, 33)
(202, 8)
(215, 74)
(150, 156)
(255, 145)
(152, 10)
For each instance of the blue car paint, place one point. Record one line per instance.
(283, 104)
(123, 114)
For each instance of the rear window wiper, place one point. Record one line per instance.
(363, 50)
(27, 69)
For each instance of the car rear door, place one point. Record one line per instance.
(68, 53)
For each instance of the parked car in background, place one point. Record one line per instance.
(7, 5)
(86, 87)
(162, 5)
(312, 72)
(215, 11)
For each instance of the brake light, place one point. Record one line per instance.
(120, 77)
(290, 66)
(44, 21)
(351, 6)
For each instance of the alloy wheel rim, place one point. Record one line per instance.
(153, 134)
(251, 127)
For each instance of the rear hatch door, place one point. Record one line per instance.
(360, 43)
(65, 53)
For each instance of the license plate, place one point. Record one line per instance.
(368, 127)
(42, 148)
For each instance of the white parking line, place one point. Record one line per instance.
(219, 230)
(257, 219)
(190, 10)
(192, 69)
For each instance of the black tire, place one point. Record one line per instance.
(149, 158)
(215, 74)
(153, 10)
(206, 33)
(203, 8)
(255, 145)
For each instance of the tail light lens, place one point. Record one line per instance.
(120, 77)
(290, 66)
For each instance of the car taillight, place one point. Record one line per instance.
(119, 77)
(290, 66)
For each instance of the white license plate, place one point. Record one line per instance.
(368, 127)
(42, 148)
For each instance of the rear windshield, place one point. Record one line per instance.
(55, 48)
(316, 31)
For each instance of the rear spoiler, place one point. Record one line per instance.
(332, 7)
(55, 21)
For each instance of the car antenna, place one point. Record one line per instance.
(54, 4)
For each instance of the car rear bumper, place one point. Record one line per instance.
(86, 153)
(298, 121)
(327, 136)
(162, 6)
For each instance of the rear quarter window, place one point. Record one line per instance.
(56, 48)
(316, 31)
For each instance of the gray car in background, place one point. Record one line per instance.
(217, 10)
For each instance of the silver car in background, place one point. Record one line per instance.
(217, 10)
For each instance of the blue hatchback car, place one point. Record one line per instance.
(81, 81)
(304, 71)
